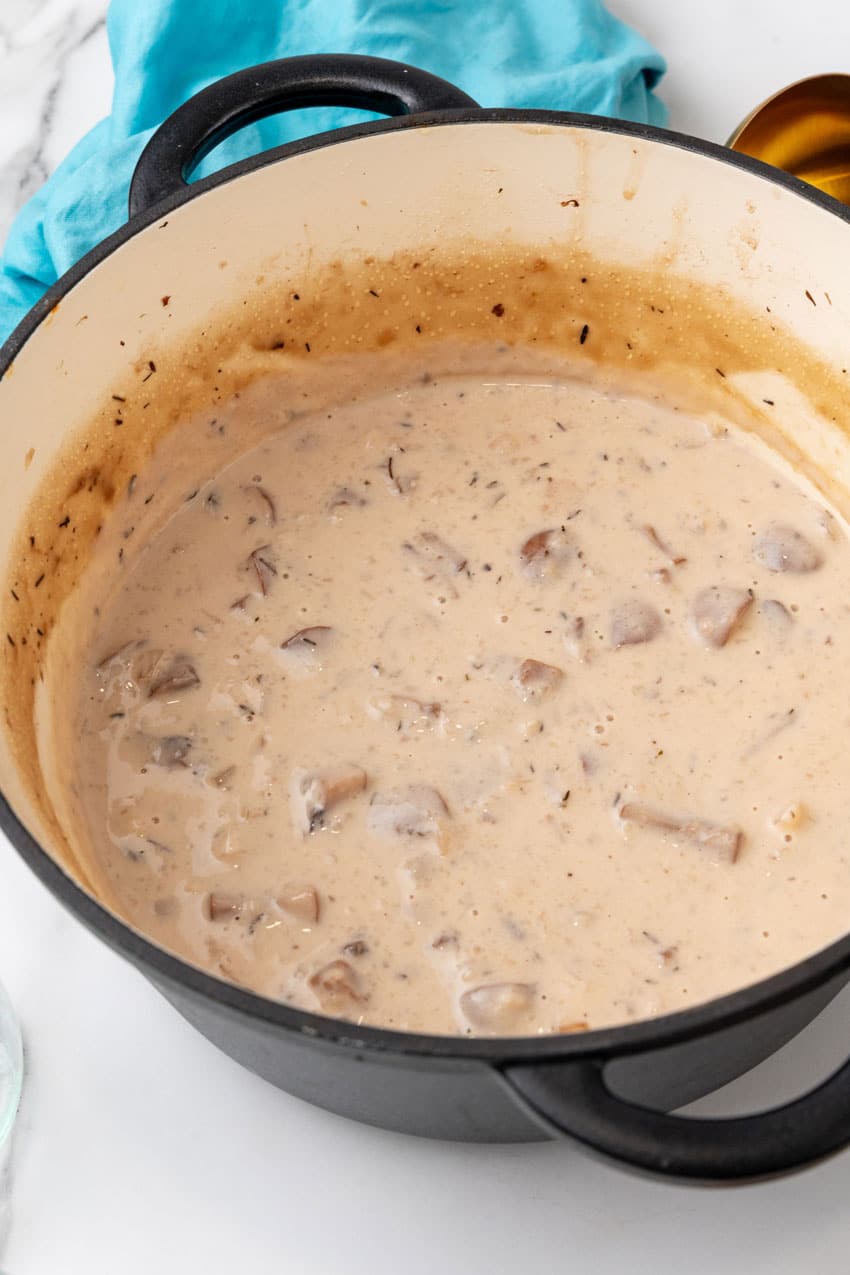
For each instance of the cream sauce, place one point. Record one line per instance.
(491, 704)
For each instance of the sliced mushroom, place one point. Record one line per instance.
(777, 615)
(533, 680)
(407, 713)
(722, 844)
(314, 792)
(544, 554)
(262, 564)
(119, 654)
(145, 665)
(574, 637)
(308, 643)
(438, 557)
(346, 497)
(224, 778)
(337, 987)
(219, 906)
(717, 611)
(224, 844)
(417, 811)
(301, 902)
(652, 535)
(314, 635)
(171, 751)
(263, 504)
(633, 622)
(178, 676)
(782, 548)
(496, 1009)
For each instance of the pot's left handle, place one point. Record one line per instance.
(331, 79)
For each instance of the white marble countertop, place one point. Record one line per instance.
(140, 1147)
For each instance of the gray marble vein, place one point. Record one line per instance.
(44, 99)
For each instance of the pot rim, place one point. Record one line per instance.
(603, 1043)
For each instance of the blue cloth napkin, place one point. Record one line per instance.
(557, 54)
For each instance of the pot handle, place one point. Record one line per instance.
(326, 79)
(571, 1099)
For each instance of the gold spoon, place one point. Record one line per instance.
(805, 130)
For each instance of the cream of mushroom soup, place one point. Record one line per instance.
(494, 703)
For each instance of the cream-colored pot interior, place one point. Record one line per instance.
(665, 254)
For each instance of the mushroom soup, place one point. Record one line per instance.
(491, 703)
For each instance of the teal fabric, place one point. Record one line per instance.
(556, 54)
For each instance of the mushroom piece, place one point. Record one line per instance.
(777, 615)
(495, 1009)
(345, 498)
(532, 679)
(145, 663)
(263, 566)
(178, 676)
(224, 843)
(782, 548)
(218, 906)
(439, 558)
(545, 553)
(722, 844)
(308, 643)
(416, 811)
(717, 611)
(314, 792)
(224, 778)
(337, 987)
(574, 637)
(634, 622)
(652, 535)
(119, 653)
(301, 902)
(171, 751)
(263, 504)
(407, 713)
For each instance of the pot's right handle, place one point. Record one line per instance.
(572, 1099)
(329, 79)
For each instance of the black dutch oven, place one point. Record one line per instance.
(440, 168)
